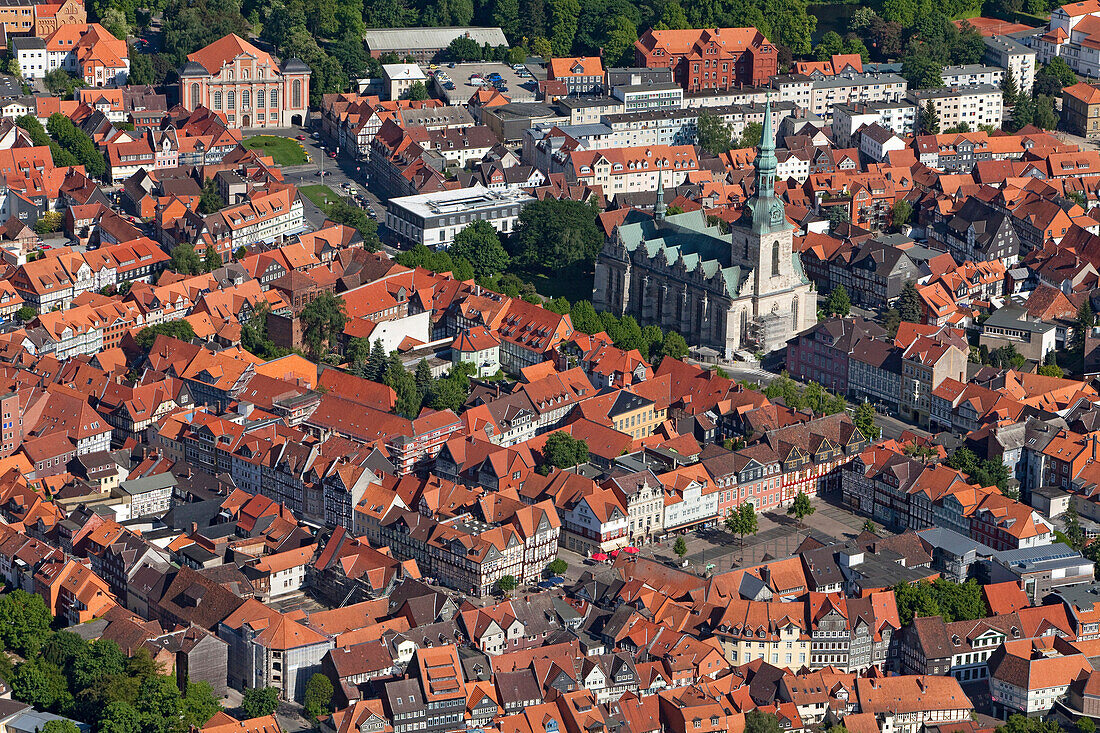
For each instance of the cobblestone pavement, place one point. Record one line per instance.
(778, 537)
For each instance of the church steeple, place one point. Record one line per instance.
(764, 211)
(659, 209)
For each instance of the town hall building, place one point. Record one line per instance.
(233, 77)
(745, 290)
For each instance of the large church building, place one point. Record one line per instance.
(745, 290)
(233, 77)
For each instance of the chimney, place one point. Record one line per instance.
(194, 527)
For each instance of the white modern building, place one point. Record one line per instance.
(433, 219)
(1014, 57)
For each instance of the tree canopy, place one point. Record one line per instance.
(557, 233)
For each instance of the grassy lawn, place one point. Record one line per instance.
(572, 283)
(317, 193)
(284, 150)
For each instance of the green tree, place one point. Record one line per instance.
(318, 698)
(1006, 357)
(323, 320)
(120, 717)
(26, 313)
(838, 303)
(199, 704)
(24, 622)
(928, 119)
(901, 214)
(1074, 532)
(910, 307)
(506, 15)
(557, 566)
(622, 34)
(562, 450)
(757, 721)
(1023, 114)
(1051, 370)
(49, 223)
(1053, 77)
(77, 143)
(564, 15)
(60, 726)
(751, 135)
(463, 49)
(584, 317)
(1009, 88)
(211, 199)
(62, 648)
(260, 701)
(1085, 725)
(185, 260)
(1046, 117)
(479, 243)
(673, 345)
(952, 601)
(801, 507)
(713, 134)
(211, 259)
(114, 22)
(417, 92)
(159, 705)
(376, 363)
(141, 68)
(742, 521)
(680, 547)
(60, 83)
(557, 233)
(869, 526)
(177, 329)
(922, 72)
(423, 377)
(673, 17)
(507, 584)
(1086, 319)
(837, 215)
(864, 419)
(41, 684)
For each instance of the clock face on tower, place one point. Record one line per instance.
(777, 213)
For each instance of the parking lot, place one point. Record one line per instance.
(518, 89)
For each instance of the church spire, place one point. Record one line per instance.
(659, 209)
(764, 211)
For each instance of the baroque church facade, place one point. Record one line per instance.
(742, 291)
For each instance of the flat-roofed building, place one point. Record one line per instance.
(433, 219)
(424, 44)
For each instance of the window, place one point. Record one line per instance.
(194, 94)
(260, 99)
(246, 99)
(217, 100)
(296, 94)
(231, 103)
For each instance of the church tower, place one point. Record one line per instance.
(763, 235)
(778, 301)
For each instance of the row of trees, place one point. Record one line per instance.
(987, 472)
(651, 342)
(716, 137)
(798, 397)
(413, 390)
(94, 681)
(952, 601)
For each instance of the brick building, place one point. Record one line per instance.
(718, 58)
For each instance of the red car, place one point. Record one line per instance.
(300, 137)
(332, 155)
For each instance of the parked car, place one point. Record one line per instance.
(301, 137)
